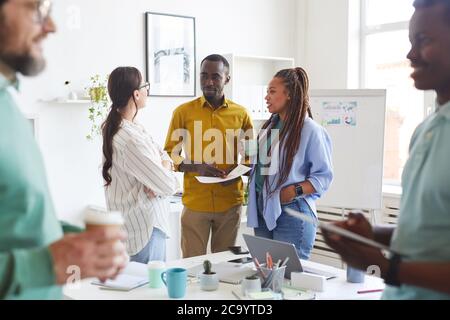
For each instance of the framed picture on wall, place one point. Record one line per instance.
(170, 55)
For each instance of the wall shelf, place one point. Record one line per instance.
(65, 101)
(250, 76)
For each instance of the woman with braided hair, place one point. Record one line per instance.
(293, 166)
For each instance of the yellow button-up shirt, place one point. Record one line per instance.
(208, 135)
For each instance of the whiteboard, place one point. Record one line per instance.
(355, 121)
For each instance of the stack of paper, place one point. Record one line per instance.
(133, 276)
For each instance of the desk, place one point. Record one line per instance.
(337, 288)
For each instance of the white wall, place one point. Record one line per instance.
(110, 33)
(323, 42)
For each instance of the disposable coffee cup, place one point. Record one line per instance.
(94, 220)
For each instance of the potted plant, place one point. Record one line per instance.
(209, 281)
(251, 284)
(98, 108)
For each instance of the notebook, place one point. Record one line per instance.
(227, 272)
(133, 276)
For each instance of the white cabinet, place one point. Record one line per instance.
(173, 244)
(249, 78)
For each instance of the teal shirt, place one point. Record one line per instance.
(27, 219)
(423, 231)
(259, 178)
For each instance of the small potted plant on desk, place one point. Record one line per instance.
(209, 281)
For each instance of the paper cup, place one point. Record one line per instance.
(95, 219)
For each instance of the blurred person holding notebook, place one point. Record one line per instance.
(293, 166)
(138, 174)
(421, 269)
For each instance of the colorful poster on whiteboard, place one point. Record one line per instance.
(339, 113)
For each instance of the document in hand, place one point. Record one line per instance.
(235, 173)
(133, 276)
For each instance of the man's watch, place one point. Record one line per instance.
(392, 272)
(298, 190)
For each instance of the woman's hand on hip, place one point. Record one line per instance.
(287, 194)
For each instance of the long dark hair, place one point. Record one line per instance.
(122, 83)
(296, 83)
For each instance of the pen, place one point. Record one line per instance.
(258, 267)
(236, 295)
(284, 262)
(278, 263)
(269, 262)
(370, 291)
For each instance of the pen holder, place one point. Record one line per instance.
(272, 278)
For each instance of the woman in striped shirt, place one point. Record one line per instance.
(137, 172)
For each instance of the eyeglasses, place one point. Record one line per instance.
(43, 10)
(146, 86)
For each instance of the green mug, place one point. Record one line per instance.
(155, 269)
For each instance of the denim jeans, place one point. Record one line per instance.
(290, 229)
(155, 249)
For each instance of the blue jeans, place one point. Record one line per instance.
(290, 229)
(155, 249)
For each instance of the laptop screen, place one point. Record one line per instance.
(279, 250)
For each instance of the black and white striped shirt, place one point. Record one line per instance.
(136, 163)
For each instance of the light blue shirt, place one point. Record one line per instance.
(312, 162)
(423, 230)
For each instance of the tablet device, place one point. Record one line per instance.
(242, 260)
(338, 230)
(238, 250)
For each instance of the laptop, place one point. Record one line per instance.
(279, 250)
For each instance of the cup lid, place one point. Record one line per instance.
(103, 218)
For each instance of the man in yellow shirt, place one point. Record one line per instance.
(208, 130)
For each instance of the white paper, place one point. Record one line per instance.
(237, 172)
